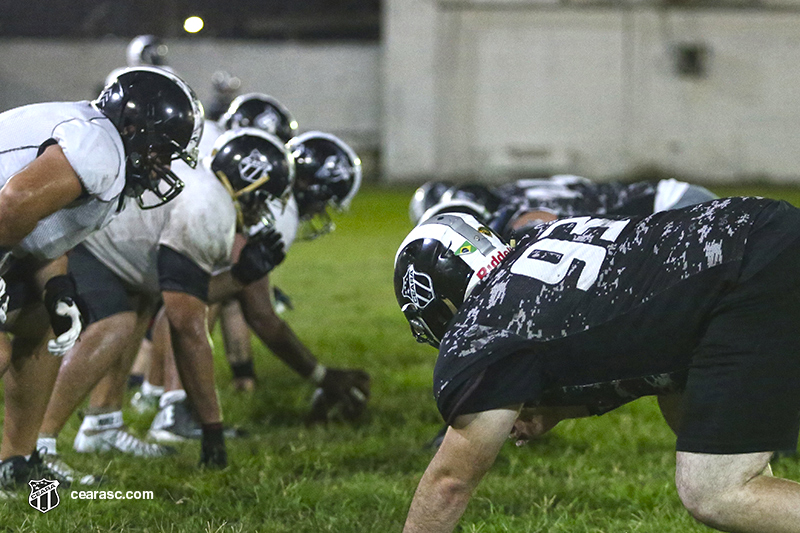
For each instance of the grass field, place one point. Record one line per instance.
(608, 474)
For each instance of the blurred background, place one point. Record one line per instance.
(703, 90)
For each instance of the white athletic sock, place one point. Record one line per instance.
(47, 445)
(172, 396)
(151, 390)
(101, 422)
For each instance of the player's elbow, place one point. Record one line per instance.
(15, 220)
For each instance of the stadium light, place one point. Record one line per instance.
(193, 24)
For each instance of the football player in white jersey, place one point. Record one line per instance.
(170, 255)
(65, 169)
(328, 176)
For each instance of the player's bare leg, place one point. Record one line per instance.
(736, 493)
(152, 388)
(141, 363)
(238, 350)
(109, 393)
(28, 382)
(85, 365)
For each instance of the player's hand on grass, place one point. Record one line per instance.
(341, 391)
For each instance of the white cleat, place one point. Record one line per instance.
(103, 433)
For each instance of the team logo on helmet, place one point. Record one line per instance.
(254, 166)
(334, 168)
(267, 121)
(44, 494)
(418, 287)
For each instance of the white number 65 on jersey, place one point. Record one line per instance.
(553, 266)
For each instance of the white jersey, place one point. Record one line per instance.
(93, 148)
(199, 223)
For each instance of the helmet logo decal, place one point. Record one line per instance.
(254, 166)
(267, 121)
(418, 287)
(466, 248)
(334, 168)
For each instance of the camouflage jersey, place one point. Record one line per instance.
(567, 195)
(598, 311)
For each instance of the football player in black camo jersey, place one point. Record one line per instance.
(588, 313)
(513, 208)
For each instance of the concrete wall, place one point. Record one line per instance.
(486, 88)
(333, 88)
(491, 87)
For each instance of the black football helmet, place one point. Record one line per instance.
(473, 192)
(257, 110)
(437, 267)
(146, 50)
(255, 167)
(426, 196)
(160, 119)
(328, 175)
(459, 206)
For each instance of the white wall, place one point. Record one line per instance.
(334, 88)
(491, 86)
(487, 87)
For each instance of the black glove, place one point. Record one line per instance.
(67, 313)
(342, 390)
(262, 253)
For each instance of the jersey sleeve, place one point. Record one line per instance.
(95, 155)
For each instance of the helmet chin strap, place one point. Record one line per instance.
(449, 304)
(228, 187)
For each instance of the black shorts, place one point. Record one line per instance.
(743, 389)
(103, 292)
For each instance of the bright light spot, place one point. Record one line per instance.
(193, 24)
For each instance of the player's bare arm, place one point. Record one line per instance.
(272, 330)
(46, 185)
(466, 454)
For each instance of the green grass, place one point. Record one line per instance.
(608, 474)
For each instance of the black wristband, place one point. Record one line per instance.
(56, 288)
(244, 369)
